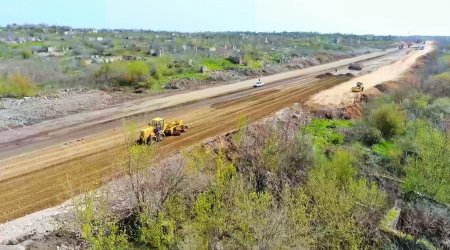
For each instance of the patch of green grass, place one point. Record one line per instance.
(326, 132)
(217, 63)
(26, 45)
(387, 149)
(252, 64)
(158, 85)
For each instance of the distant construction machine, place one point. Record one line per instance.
(359, 87)
(355, 66)
(159, 128)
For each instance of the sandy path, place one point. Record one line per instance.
(341, 94)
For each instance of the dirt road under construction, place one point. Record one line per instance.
(47, 163)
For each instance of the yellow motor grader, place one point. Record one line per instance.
(159, 128)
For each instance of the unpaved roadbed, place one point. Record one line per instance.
(341, 95)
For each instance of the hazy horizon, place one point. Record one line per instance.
(401, 18)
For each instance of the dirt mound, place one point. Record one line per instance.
(326, 75)
(330, 75)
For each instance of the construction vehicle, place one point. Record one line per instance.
(355, 66)
(159, 128)
(359, 87)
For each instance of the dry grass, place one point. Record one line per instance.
(17, 85)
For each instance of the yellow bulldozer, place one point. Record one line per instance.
(359, 87)
(159, 128)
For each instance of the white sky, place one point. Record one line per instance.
(396, 17)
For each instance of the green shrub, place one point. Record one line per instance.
(429, 171)
(135, 72)
(364, 133)
(254, 64)
(98, 225)
(439, 85)
(325, 130)
(343, 207)
(26, 54)
(130, 73)
(17, 85)
(217, 63)
(438, 109)
(387, 149)
(389, 119)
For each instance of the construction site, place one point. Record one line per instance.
(46, 166)
(72, 151)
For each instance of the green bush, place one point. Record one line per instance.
(17, 85)
(439, 85)
(325, 131)
(387, 149)
(26, 54)
(217, 63)
(135, 72)
(389, 119)
(343, 208)
(364, 133)
(130, 73)
(429, 171)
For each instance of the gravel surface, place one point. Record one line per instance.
(30, 110)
